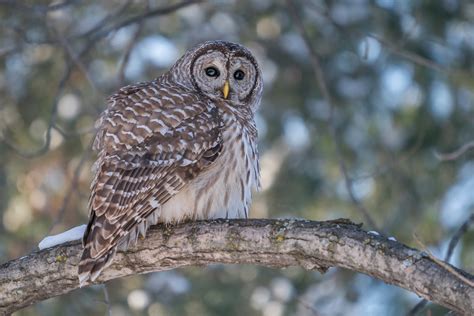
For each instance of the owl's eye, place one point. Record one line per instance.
(212, 72)
(239, 75)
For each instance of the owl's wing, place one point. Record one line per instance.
(151, 143)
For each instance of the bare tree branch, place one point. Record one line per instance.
(74, 57)
(52, 119)
(59, 214)
(129, 48)
(455, 154)
(149, 14)
(457, 236)
(417, 59)
(107, 299)
(101, 30)
(272, 243)
(38, 8)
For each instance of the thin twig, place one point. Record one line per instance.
(78, 132)
(5, 51)
(128, 50)
(150, 14)
(59, 214)
(457, 236)
(107, 299)
(38, 8)
(388, 166)
(52, 118)
(308, 306)
(415, 58)
(445, 265)
(452, 244)
(101, 30)
(75, 58)
(455, 154)
(104, 21)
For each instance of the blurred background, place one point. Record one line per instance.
(397, 95)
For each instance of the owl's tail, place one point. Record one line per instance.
(98, 251)
(90, 268)
(100, 248)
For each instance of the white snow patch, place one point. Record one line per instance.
(392, 238)
(74, 233)
(373, 232)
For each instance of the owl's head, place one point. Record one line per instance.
(222, 70)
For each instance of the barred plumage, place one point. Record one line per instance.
(182, 146)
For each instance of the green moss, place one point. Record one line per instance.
(61, 258)
(168, 231)
(279, 238)
(233, 239)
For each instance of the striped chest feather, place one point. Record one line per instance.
(225, 189)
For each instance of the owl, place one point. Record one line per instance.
(180, 147)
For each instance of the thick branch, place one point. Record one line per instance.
(273, 243)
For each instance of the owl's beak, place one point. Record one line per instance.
(226, 89)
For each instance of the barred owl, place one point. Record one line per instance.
(180, 147)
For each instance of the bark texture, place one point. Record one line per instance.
(272, 243)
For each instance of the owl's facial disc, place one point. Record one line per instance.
(242, 77)
(209, 73)
(222, 74)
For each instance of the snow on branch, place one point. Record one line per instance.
(272, 243)
(74, 233)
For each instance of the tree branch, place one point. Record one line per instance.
(272, 243)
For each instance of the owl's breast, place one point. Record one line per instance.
(224, 190)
